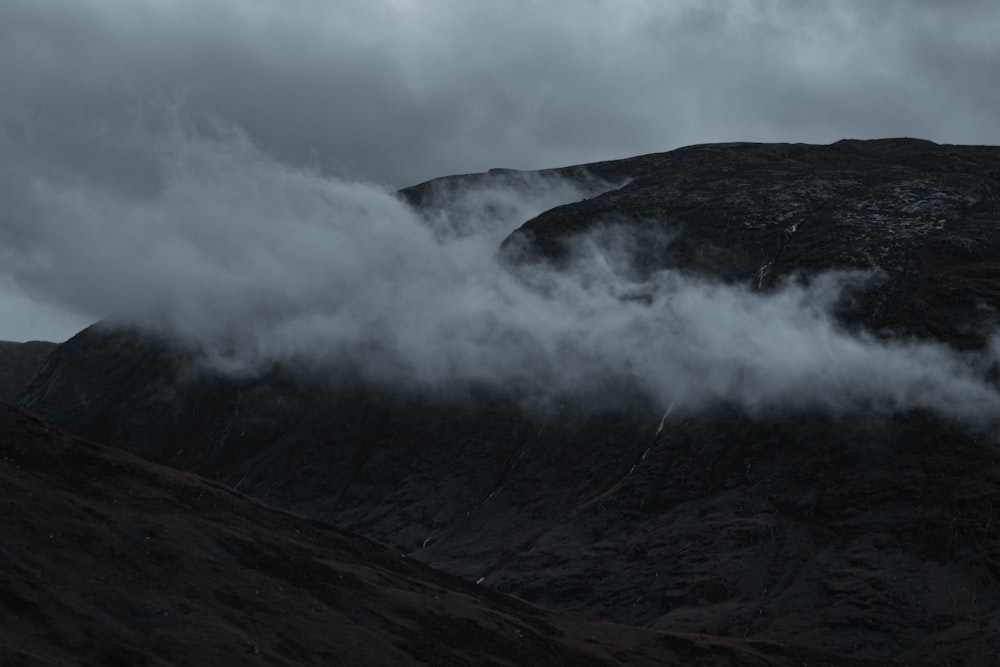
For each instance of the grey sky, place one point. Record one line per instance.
(399, 92)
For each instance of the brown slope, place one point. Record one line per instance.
(109, 560)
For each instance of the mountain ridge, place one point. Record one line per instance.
(866, 532)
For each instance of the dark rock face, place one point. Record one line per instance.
(869, 534)
(18, 364)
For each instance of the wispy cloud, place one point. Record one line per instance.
(255, 262)
(223, 171)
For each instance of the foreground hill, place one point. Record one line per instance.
(109, 560)
(865, 530)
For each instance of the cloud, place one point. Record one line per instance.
(223, 169)
(24, 316)
(254, 262)
(400, 92)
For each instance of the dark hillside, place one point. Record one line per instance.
(867, 531)
(108, 560)
(18, 364)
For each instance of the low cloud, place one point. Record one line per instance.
(254, 262)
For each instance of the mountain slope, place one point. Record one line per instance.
(109, 560)
(866, 530)
(18, 364)
(924, 215)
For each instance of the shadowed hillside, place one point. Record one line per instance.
(722, 442)
(108, 560)
(18, 364)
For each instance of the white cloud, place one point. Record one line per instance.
(127, 190)
(255, 262)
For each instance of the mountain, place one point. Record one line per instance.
(862, 530)
(925, 216)
(109, 560)
(18, 364)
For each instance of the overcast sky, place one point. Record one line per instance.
(398, 92)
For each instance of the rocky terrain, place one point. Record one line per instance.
(18, 364)
(109, 560)
(923, 215)
(867, 532)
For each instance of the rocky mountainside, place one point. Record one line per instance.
(869, 532)
(925, 216)
(18, 364)
(109, 560)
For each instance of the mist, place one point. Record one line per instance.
(396, 93)
(253, 262)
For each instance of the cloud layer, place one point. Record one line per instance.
(222, 170)
(254, 262)
(400, 92)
